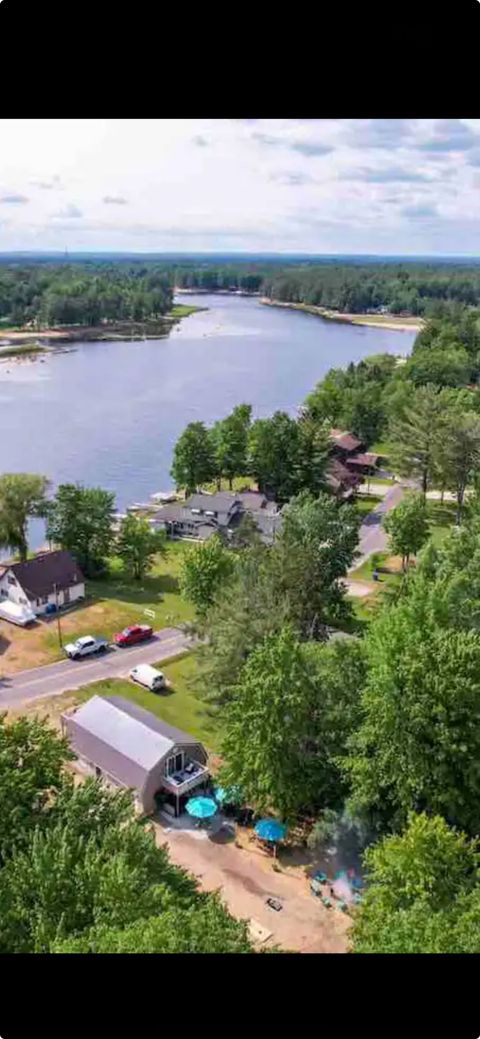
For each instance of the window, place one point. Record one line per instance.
(11, 579)
(178, 762)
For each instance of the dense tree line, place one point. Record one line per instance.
(88, 291)
(408, 288)
(82, 294)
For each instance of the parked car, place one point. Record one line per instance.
(85, 646)
(130, 636)
(148, 676)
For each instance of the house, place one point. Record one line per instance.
(47, 580)
(132, 748)
(350, 452)
(341, 480)
(205, 514)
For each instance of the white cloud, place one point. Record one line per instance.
(69, 212)
(392, 186)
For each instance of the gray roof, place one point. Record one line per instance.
(170, 732)
(173, 513)
(252, 500)
(222, 501)
(38, 576)
(124, 740)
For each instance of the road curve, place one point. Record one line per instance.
(372, 536)
(54, 679)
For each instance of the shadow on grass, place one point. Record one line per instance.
(149, 590)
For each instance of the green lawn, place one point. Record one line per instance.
(183, 310)
(380, 480)
(117, 601)
(178, 705)
(238, 484)
(367, 503)
(442, 518)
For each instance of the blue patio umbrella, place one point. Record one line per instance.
(201, 807)
(229, 794)
(270, 830)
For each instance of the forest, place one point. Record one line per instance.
(87, 291)
(42, 295)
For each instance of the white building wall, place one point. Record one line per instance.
(13, 591)
(77, 591)
(10, 589)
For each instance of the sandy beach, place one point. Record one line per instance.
(388, 321)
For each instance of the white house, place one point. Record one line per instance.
(48, 579)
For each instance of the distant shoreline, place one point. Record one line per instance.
(387, 321)
(34, 341)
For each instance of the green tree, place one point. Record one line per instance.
(314, 450)
(460, 448)
(313, 551)
(441, 366)
(284, 726)
(414, 435)
(205, 569)
(205, 927)
(248, 608)
(193, 458)
(274, 455)
(422, 892)
(138, 544)
(230, 439)
(80, 519)
(414, 748)
(32, 759)
(407, 527)
(21, 495)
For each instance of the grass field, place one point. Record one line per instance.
(367, 503)
(178, 706)
(238, 484)
(183, 310)
(110, 605)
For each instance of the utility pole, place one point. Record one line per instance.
(60, 643)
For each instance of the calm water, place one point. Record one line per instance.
(108, 414)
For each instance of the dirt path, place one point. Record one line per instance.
(245, 879)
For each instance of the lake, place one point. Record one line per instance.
(108, 414)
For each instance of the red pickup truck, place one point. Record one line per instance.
(130, 636)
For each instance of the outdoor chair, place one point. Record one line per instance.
(321, 877)
(327, 903)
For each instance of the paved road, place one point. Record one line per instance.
(54, 679)
(372, 535)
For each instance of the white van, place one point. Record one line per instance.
(148, 676)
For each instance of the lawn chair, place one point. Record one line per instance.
(326, 902)
(321, 877)
(342, 906)
(315, 887)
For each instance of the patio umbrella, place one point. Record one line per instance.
(201, 807)
(230, 794)
(270, 830)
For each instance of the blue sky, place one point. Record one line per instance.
(383, 186)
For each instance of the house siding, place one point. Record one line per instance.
(11, 590)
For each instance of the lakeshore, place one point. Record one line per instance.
(34, 341)
(392, 322)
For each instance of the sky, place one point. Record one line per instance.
(372, 186)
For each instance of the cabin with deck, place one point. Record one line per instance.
(130, 747)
